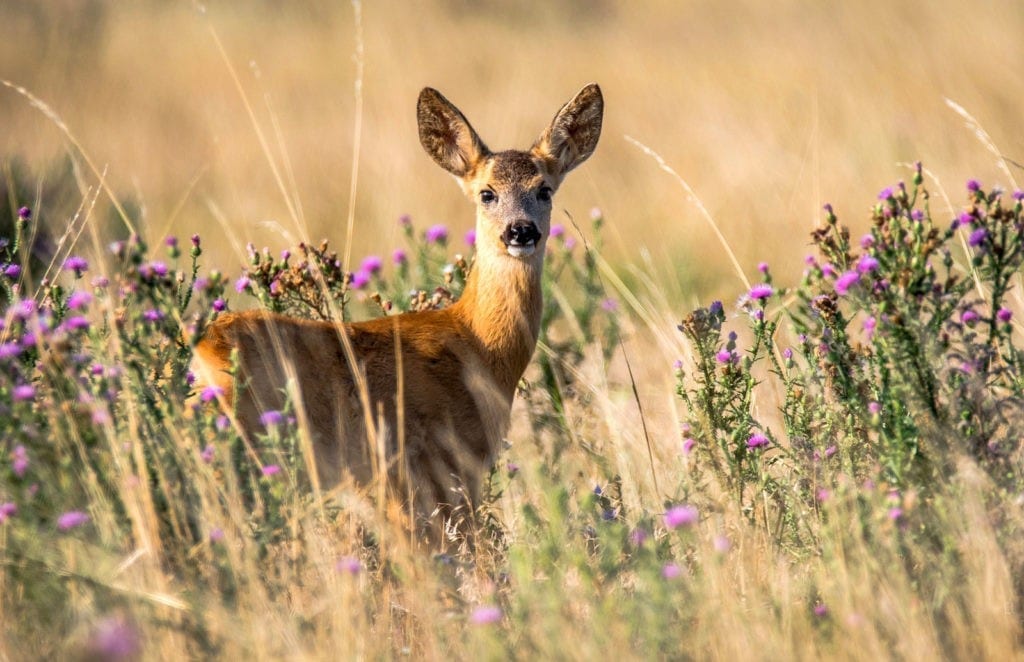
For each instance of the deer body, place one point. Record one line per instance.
(439, 384)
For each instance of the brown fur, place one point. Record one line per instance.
(438, 385)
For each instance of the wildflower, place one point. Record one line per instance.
(678, 516)
(820, 610)
(275, 288)
(76, 264)
(12, 271)
(470, 238)
(219, 305)
(195, 241)
(1004, 314)
(761, 291)
(557, 230)
(360, 279)
(869, 326)
(405, 220)
(609, 305)
(570, 243)
(866, 264)
(23, 393)
(596, 213)
(973, 185)
(79, 299)
(7, 511)
(677, 364)
(917, 215)
(885, 193)
(208, 453)
(867, 241)
(211, 393)
(968, 317)
(100, 281)
(71, 520)
(724, 356)
(371, 264)
(787, 353)
(271, 470)
(271, 417)
(216, 534)
(436, 234)
(688, 445)
(349, 564)
(24, 213)
(762, 267)
(242, 284)
(1018, 195)
(152, 315)
(831, 450)
(822, 495)
(671, 571)
(638, 537)
(76, 323)
(512, 468)
(399, 256)
(222, 422)
(757, 441)
(19, 461)
(846, 281)
(977, 237)
(895, 513)
(715, 308)
(485, 615)
(721, 543)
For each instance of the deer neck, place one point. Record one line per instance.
(501, 305)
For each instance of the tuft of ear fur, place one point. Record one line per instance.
(446, 134)
(572, 136)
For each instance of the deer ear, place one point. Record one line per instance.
(447, 135)
(572, 136)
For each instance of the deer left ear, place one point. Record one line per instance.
(572, 136)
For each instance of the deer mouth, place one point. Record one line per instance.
(521, 239)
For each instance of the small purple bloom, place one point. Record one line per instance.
(973, 185)
(638, 537)
(895, 513)
(76, 323)
(1004, 314)
(271, 470)
(405, 220)
(820, 610)
(371, 264)
(399, 256)
(485, 615)
(208, 453)
(885, 193)
(596, 213)
(471, 238)
(688, 445)
(874, 407)
(715, 308)
(609, 305)
(831, 450)
(242, 284)
(1018, 195)
(195, 241)
(12, 271)
(71, 520)
(9, 350)
(76, 264)
(360, 279)
(24, 213)
(761, 291)
(79, 299)
(917, 215)
(846, 281)
(683, 515)
(867, 241)
(349, 564)
(757, 441)
(115, 638)
(19, 461)
(724, 356)
(211, 393)
(866, 264)
(721, 543)
(822, 495)
(23, 393)
(977, 237)
(436, 234)
(968, 317)
(153, 315)
(271, 417)
(762, 267)
(671, 571)
(171, 242)
(7, 511)
(219, 305)
(512, 468)
(275, 288)
(216, 534)
(557, 230)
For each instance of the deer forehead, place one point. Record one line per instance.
(513, 171)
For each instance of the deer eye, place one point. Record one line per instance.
(544, 194)
(487, 196)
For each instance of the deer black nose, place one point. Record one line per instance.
(521, 233)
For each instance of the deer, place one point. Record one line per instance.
(420, 400)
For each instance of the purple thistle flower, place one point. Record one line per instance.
(271, 470)
(485, 615)
(820, 610)
(23, 393)
(19, 461)
(557, 230)
(822, 495)
(846, 281)
(9, 350)
(721, 543)
(609, 305)
(171, 242)
(596, 213)
(195, 241)
(1018, 195)
(76, 264)
(242, 284)
(762, 267)
(211, 393)
(371, 264)
(671, 571)
(831, 450)
(360, 279)
(569, 243)
(866, 264)
(715, 308)
(1004, 314)
(761, 291)
(683, 515)
(688, 445)
(968, 317)
(977, 237)
(24, 213)
(895, 513)
(7, 511)
(405, 220)
(917, 215)
(12, 271)
(724, 356)
(349, 565)
(436, 234)
(79, 299)
(757, 441)
(71, 520)
(219, 305)
(470, 238)
(271, 417)
(216, 534)
(153, 315)
(973, 185)
(208, 453)
(885, 193)
(115, 638)
(275, 288)
(76, 323)
(399, 256)
(638, 537)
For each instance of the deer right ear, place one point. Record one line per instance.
(447, 135)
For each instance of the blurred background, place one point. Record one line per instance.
(766, 109)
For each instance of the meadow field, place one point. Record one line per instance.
(776, 412)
